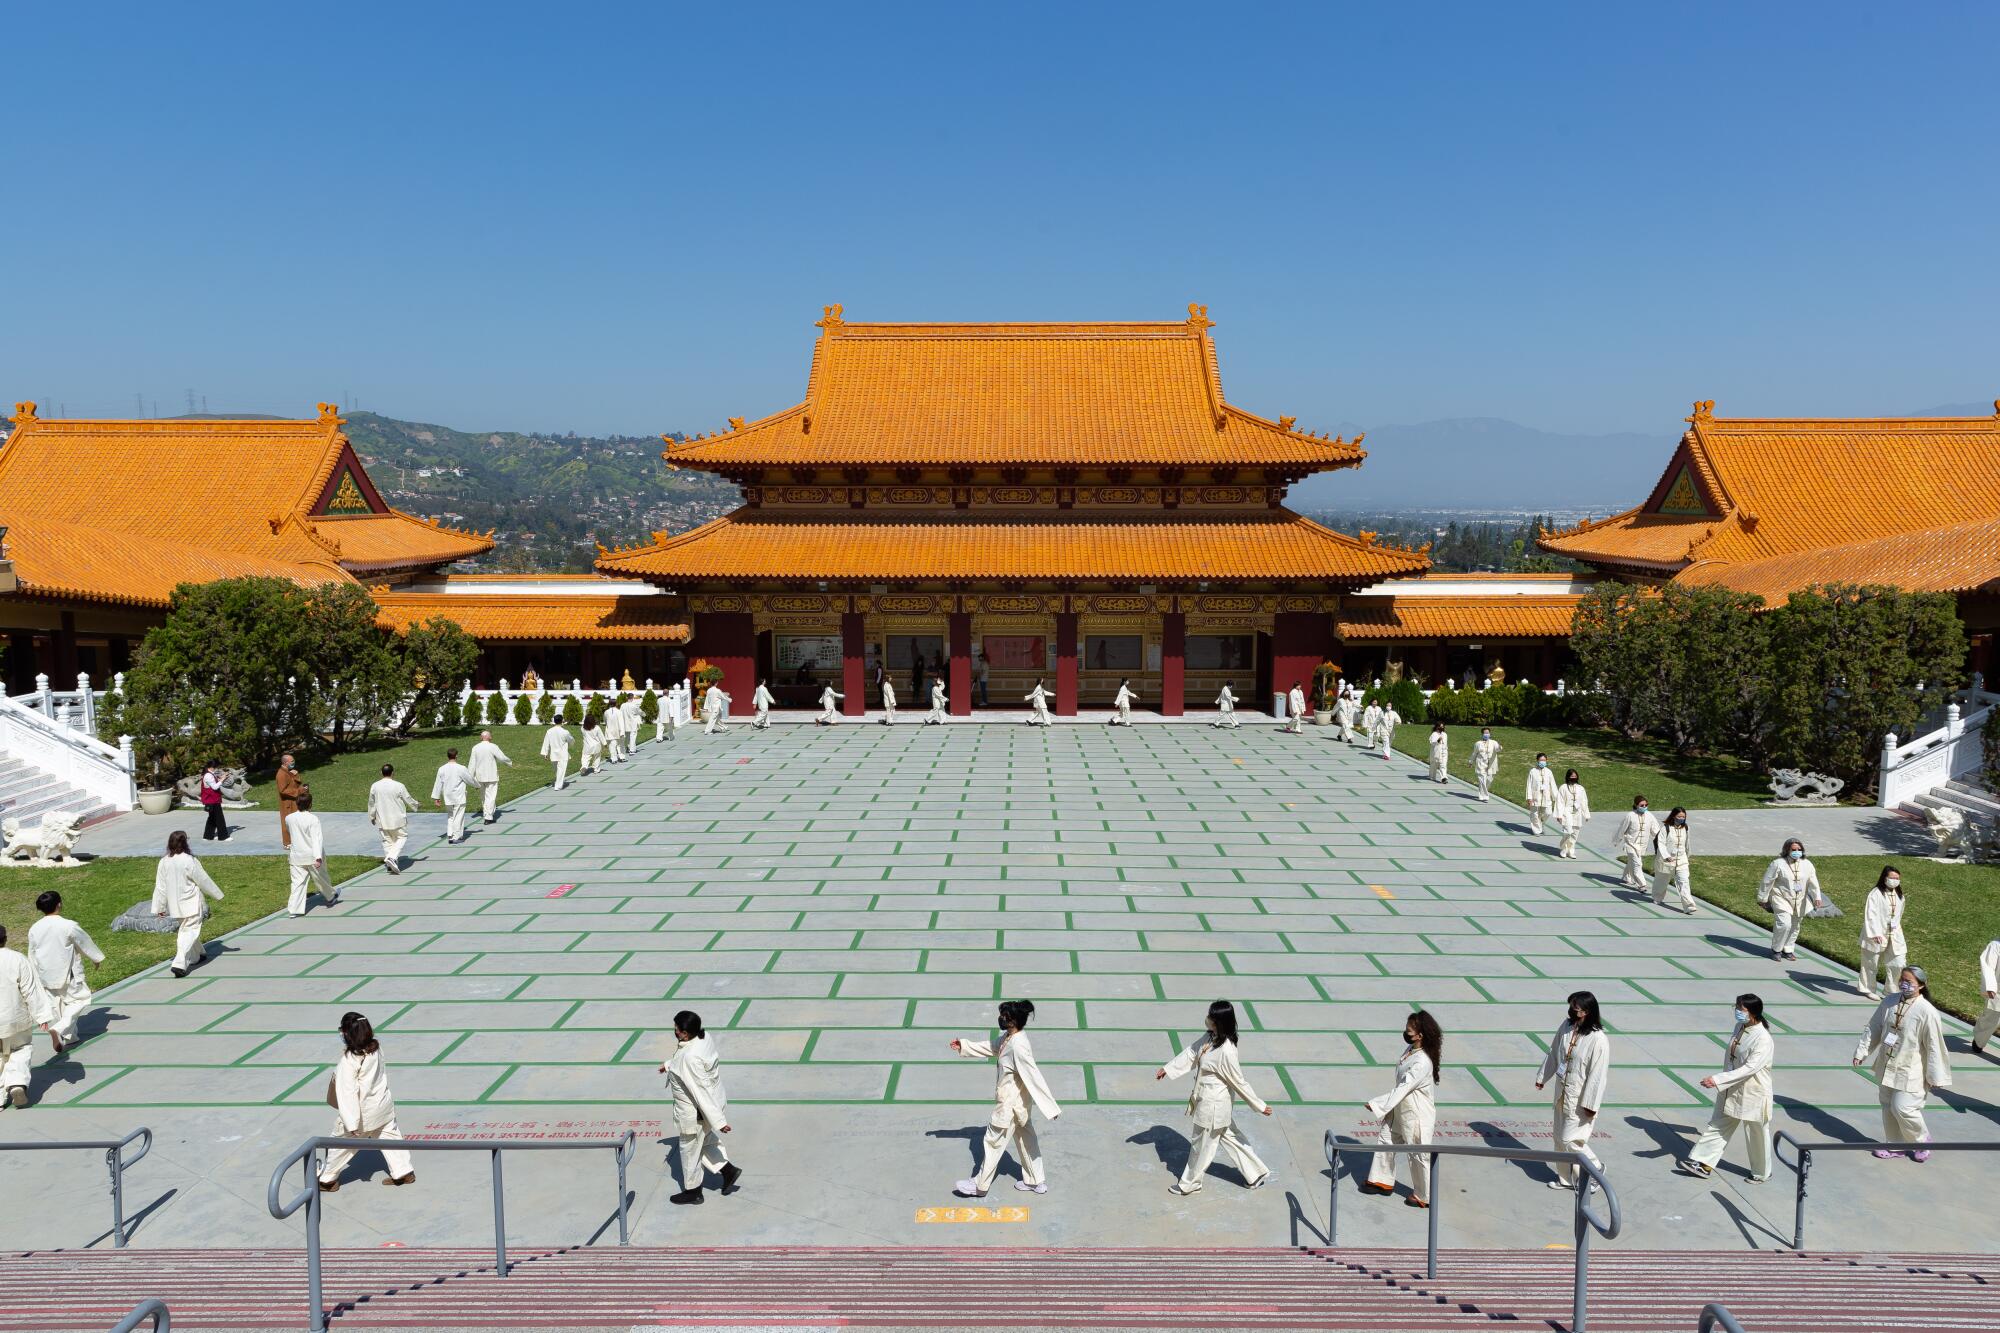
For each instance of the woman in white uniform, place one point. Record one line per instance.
(1905, 1039)
(1579, 1064)
(1122, 717)
(1344, 710)
(1989, 986)
(761, 702)
(828, 714)
(1019, 1092)
(1637, 832)
(359, 1094)
(1883, 947)
(1370, 716)
(1742, 1097)
(1386, 723)
(1408, 1111)
(179, 884)
(1541, 793)
(1670, 863)
(1485, 761)
(1038, 706)
(701, 1109)
(1572, 813)
(1226, 703)
(1790, 888)
(888, 702)
(1218, 1082)
(1295, 707)
(593, 743)
(936, 716)
(1440, 751)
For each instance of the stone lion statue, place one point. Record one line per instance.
(47, 844)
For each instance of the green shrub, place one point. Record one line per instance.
(649, 706)
(468, 715)
(572, 714)
(523, 711)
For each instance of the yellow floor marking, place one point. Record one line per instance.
(1237, 762)
(1381, 892)
(972, 1214)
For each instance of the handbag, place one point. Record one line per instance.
(332, 1098)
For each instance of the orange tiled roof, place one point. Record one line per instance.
(1957, 558)
(123, 511)
(1777, 487)
(1027, 394)
(747, 545)
(543, 618)
(1499, 617)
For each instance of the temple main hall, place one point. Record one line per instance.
(1073, 502)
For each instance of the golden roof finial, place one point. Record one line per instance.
(1198, 317)
(736, 423)
(1286, 423)
(830, 318)
(329, 414)
(1359, 436)
(1704, 411)
(1996, 407)
(25, 412)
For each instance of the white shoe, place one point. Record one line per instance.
(968, 1189)
(1261, 1181)
(1176, 1188)
(1026, 1188)
(1557, 1185)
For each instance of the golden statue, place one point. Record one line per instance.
(626, 682)
(530, 682)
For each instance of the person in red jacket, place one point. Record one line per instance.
(217, 828)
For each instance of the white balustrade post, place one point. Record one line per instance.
(45, 702)
(89, 702)
(1883, 797)
(118, 684)
(1560, 686)
(1954, 725)
(575, 686)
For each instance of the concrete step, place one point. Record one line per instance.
(1972, 795)
(937, 1287)
(1945, 798)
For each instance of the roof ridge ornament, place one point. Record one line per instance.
(1704, 411)
(736, 423)
(1198, 317)
(830, 318)
(25, 412)
(329, 415)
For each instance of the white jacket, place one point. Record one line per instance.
(1989, 971)
(1125, 698)
(361, 1088)
(1440, 747)
(1581, 1077)
(485, 760)
(452, 780)
(389, 804)
(938, 701)
(308, 839)
(1226, 700)
(1743, 1088)
(1673, 844)
(614, 721)
(555, 744)
(1883, 917)
(1915, 1060)
(715, 703)
(1218, 1079)
(24, 1001)
(1541, 788)
(57, 946)
(1637, 832)
(1415, 1089)
(1020, 1079)
(696, 1084)
(762, 699)
(593, 745)
(1486, 756)
(888, 695)
(1572, 805)
(1792, 889)
(179, 885)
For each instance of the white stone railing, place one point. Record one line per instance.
(1914, 768)
(75, 709)
(67, 753)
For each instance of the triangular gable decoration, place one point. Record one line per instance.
(1682, 497)
(346, 496)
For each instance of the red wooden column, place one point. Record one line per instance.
(1173, 664)
(728, 639)
(958, 628)
(1300, 641)
(1066, 664)
(854, 666)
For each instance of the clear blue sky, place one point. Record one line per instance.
(626, 219)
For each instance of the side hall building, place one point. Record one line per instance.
(1073, 502)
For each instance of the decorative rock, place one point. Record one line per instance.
(1788, 783)
(139, 917)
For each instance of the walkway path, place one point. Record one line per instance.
(839, 903)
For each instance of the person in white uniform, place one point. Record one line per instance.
(888, 701)
(829, 715)
(701, 1109)
(179, 885)
(760, 702)
(1386, 723)
(363, 1106)
(1637, 832)
(1905, 1040)
(389, 806)
(593, 743)
(1743, 1098)
(1440, 752)
(614, 731)
(1883, 947)
(1541, 795)
(1038, 706)
(454, 782)
(1408, 1111)
(634, 709)
(1485, 762)
(1572, 813)
(936, 716)
(58, 948)
(665, 724)
(1370, 715)
(25, 1004)
(1579, 1064)
(307, 856)
(1790, 889)
(1122, 705)
(555, 749)
(1344, 710)
(714, 707)
(484, 765)
(1225, 702)
(1670, 862)
(1295, 709)
(1989, 986)
(1019, 1092)
(1218, 1082)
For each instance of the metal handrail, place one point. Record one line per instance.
(1803, 1165)
(114, 1160)
(150, 1308)
(1715, 1316)
(309, 1198)
(1585, 1221)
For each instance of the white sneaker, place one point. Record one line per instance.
(968, 1189)
(1557, 1185)
(1026, 1188)
(1176, 1188)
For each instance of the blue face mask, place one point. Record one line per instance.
(1742, 1017)
(1795, 854)
(1541, 763)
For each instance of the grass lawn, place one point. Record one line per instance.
(97, 892)
(1953, 912)
(341, 781)
(1613, 769)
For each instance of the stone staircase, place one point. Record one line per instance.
(1214, 1289)
(26, 793)
(1968, 798)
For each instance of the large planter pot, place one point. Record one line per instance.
(1323, 717)
(156, 802)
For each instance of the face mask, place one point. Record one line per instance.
(1641, 807)
(1541, 763)
(1485, 735)
(1795, 854)
(1907, 989)
(1892, 883)
(1742, 1017)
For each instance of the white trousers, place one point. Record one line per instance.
(713, 725)
(1903, 1117)
(392, 844)
(1228, 719)
(1988, 1024)
(763, 721)
(71, 998)
(1040, 717)
(489, 798)
(1002, 1130)
(701, 1151)
(1785, 930)
(1437, 771)
(1672, 875)
(1124, 717)
(1347, 733)
(1874, 961)
(1635, 869)
(454, 821)
(1536, 814)
(304, 880)
(1573, 1135)
(336, 1158)
(829, 717)
(1485, 780)
(1566, 846)
(1387, 737)
(17, 1059)
(1201, 1152)
(589, 762)
(187, 942)
(888, 717)
(934, 717)
(1708, 1148)
(1404, 1124)
(562, 772)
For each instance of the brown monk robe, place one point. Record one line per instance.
(289, 788)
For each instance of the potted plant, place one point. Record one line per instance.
(156, 791)
(1326, 687)
(704, 675)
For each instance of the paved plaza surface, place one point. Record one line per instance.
(838, 903)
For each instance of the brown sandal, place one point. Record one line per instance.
(409, 1179)
(329, 1187)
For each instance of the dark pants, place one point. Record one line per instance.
(217, 826)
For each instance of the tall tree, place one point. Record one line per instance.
(437, 657)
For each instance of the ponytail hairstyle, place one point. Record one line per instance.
(1430, 1037)
(688, 1021)
(1223, 1014)
(177, 843)
(358, 1034)
(1016, 1013)
(1751, 1005)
